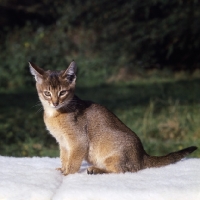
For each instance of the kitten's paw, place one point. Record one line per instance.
(60, 169)
(63, 171)
(95, 170)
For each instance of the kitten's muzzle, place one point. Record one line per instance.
(55, 104)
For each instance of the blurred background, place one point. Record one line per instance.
(140, 59)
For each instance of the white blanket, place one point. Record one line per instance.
(36, 179)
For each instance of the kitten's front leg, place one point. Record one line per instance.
(64, 159)
(75, 157)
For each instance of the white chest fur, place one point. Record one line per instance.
(58, 129)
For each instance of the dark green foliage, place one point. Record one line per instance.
(101, 36)
(149, 32)
(22, 131)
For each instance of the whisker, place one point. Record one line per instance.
(38, 104)
(39, 110)
(68, 108)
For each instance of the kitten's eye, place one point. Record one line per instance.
(62, 93)
(47, 93)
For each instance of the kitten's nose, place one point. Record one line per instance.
(55, 104)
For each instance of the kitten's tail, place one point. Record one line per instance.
(159, 161)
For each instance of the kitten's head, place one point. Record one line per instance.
(55, 88)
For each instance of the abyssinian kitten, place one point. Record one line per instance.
(88, 131)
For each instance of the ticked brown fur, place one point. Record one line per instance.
(88, 131)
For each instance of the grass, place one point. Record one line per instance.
(163, 111)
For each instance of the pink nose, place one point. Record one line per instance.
(55, 104)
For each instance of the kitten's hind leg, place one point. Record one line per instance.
(96, 170)
(112, 165)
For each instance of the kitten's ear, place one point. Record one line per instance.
(70, 72)
(37, 72)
